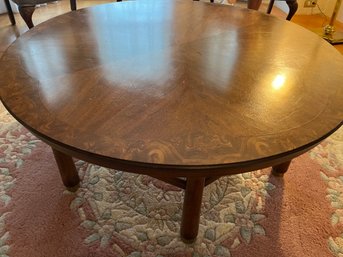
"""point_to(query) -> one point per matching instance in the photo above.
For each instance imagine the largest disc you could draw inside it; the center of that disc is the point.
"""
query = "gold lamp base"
(329, 33)
(334, 38)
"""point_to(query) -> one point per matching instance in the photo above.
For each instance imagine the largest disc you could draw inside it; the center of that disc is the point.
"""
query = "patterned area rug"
(115, 213)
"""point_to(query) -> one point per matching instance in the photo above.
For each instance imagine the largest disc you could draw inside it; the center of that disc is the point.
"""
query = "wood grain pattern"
(175, 88)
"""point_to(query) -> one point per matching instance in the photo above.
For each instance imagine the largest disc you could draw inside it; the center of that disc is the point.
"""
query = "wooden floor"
(9, 33)
(315, 22)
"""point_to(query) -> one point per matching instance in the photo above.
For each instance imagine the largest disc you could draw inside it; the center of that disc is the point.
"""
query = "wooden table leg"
(293, 7)
(67, 169)
(73, 5)
(26, 13)
(270, 6)
(280, 169)
(191, 209)
(10, 12)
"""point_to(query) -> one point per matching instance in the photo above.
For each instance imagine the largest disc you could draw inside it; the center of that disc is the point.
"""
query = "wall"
(3, 7)
(330, 6)
(326, 6)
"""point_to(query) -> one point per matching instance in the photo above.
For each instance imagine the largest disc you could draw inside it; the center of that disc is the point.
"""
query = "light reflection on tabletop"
(279, 82)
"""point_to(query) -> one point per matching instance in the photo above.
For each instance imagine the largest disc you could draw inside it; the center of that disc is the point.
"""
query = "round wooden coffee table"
(183, 91)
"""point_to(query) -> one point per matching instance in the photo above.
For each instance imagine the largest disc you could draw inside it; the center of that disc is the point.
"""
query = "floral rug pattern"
(15, 143)
(329, 155)
(147, 212)
(127, 211)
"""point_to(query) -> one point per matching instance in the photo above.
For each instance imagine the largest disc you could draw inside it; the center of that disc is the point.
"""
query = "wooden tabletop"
(178, 84)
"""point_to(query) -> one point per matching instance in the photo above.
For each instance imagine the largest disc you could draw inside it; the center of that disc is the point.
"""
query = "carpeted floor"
(120, 214)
